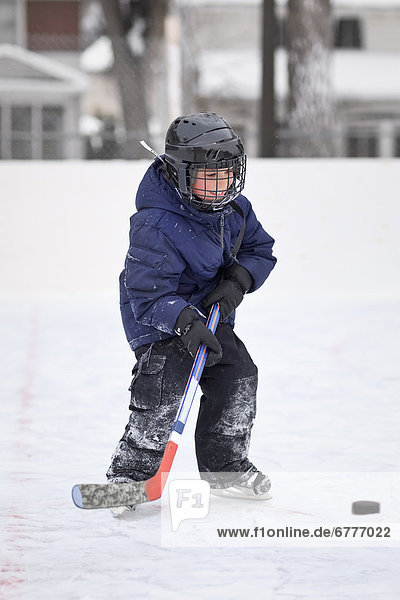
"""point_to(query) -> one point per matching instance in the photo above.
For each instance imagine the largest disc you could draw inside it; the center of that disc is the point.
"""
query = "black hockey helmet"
(205, 160)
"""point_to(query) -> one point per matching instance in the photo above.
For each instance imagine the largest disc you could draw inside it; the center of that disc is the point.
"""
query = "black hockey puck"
(365, 507)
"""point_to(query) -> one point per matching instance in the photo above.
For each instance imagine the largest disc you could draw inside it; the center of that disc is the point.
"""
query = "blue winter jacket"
(176, 256)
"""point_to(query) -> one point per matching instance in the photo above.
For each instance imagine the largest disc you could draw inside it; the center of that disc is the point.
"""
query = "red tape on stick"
(154, 486)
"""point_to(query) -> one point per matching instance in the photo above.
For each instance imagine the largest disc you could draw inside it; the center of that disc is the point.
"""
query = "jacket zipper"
(222, 230)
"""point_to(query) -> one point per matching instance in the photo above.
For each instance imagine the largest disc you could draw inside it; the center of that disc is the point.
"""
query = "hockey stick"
(107, 495)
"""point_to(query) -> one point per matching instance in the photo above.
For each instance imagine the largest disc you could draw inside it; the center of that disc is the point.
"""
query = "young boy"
(194, 240)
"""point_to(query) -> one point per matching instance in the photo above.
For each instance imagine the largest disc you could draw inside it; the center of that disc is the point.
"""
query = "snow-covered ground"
(324, 331)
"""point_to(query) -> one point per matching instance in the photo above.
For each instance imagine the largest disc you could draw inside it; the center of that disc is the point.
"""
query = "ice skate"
(252, 485)
(124, 513)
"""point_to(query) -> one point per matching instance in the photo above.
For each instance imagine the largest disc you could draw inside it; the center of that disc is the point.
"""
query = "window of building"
(280, 34)
(52, 25)
(8, 22)
(52, 126)
(32, 132)
(397, 144)
(348, 33)
(362, 143)
(21, 127)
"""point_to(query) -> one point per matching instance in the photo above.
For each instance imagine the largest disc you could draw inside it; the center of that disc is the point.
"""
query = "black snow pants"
(226, 413)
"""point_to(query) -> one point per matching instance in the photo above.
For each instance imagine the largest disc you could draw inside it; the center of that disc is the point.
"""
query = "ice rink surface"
(328, 406)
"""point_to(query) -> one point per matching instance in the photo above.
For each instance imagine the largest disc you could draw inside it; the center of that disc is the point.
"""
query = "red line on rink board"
(13, 575)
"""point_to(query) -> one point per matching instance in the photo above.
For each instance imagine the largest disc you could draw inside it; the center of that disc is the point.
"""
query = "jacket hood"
(155, 191)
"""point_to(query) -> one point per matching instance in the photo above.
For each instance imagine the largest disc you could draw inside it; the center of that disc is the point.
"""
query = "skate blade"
(233, 492)
(124, 513)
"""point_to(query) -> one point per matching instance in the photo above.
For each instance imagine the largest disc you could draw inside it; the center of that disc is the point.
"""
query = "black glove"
(193, 332)
(235, 282)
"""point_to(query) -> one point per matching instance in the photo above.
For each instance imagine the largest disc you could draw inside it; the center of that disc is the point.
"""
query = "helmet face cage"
(211, 186)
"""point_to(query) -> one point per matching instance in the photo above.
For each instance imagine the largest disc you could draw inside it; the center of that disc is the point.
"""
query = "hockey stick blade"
(108, 495)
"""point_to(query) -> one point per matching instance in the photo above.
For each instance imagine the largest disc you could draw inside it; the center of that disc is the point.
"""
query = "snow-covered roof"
(367, 75)
(355, 74)
(378, 4)
(25, 71)
(98, 57)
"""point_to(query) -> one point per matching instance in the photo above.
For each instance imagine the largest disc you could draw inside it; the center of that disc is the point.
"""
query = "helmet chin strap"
(204, 206)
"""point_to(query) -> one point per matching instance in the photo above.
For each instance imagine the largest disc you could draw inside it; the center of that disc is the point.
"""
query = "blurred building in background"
(66, 93)
(40, 90)
(365, 61)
